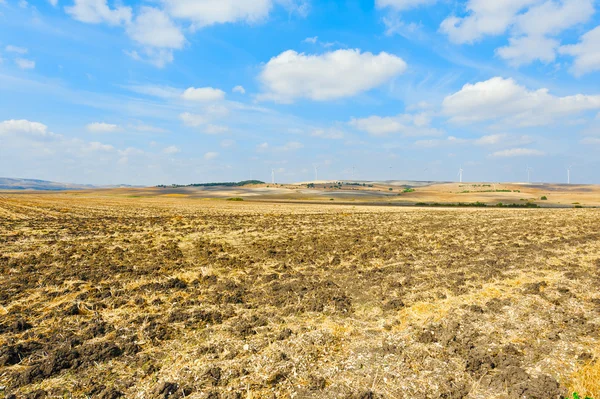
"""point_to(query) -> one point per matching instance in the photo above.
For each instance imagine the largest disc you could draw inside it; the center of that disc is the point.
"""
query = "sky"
(187, 91)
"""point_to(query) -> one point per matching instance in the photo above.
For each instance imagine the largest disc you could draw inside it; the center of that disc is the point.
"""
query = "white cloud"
(203, 94)
(312, 40)
(402, 4)
(215, 129)
(591, 140)
(130, 151)
(171, 150)
(503, 100)
(193, 120)
(491, 139)
(338, 74)
(96, 146)
(98, 11)
(526, 49)
(485, 17)
(552, 17)
(450, 140)
(586, 53)
(15, 49)
(404, 124)
(239, 89)
(396, 26)
(154, 28)
(227, 143)
(54, 3)
(24, 127)
(159, 57)
(24, 63)
(300, 7)
(262, 147)
(101, 127)
(292, 146)
(331, 133)
(532, 24)
(216, 111)
(147, 128)
(166, 92)
(533, 27)
(209, 12)
(517, 152)
(211, 155)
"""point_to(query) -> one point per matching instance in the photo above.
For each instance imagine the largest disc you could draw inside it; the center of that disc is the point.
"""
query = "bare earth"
(162, 294)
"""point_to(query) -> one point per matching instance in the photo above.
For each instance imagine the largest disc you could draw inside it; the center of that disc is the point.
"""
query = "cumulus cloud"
(526, 49)
(171, 150)
(227, 143)
(534, 26)
(96, 146)
(333, 75)
(15, 49)
(147, 128)
(591, 140)
(331, 133)
(553, 17)
(211, 113)
(404, 124)
(25, 63)
(491, 139)
(402, 4)
(159, 57)
(209, 12)
(215, 129)
(203, 94)
(450, 140)
(505, 101)
(153, 27)
(193, 120)
(239, 89)
(98, 11)
(586, 53)
(262, 147)
(166, 92)
(211, 155)
(292, 146)
(23, 127)
(101, 127)
(517, 152)
(485, 17)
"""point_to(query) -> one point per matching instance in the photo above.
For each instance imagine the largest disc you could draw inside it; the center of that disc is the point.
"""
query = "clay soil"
(106, 297)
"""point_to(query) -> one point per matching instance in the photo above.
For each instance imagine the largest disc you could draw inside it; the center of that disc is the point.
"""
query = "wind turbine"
(273, 176)
(569, 174)
(316, 172)
(529, 170)
(460, 173)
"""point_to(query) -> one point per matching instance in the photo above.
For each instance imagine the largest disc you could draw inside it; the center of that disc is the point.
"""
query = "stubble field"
(107, 297)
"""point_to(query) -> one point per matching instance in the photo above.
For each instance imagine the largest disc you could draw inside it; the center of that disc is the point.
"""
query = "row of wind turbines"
(528, 170)
(460, 173)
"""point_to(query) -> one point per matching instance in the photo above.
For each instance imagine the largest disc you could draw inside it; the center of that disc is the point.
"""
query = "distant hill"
(222, 184)
(34, 184)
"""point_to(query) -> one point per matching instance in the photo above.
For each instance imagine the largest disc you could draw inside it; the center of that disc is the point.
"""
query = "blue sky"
(183, 91)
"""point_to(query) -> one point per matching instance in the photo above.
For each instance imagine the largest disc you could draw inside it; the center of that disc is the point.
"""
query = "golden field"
(108, 294)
